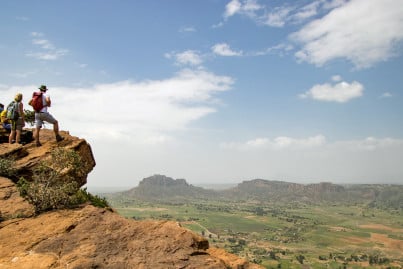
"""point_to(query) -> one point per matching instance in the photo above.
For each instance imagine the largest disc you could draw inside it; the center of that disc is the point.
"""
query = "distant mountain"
(160, 188)
(266, 190)
(163, 188)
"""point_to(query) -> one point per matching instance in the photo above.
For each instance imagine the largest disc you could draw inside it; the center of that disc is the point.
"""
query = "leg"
(56, 127)
(38, 126)
(18, 136)
(36, 136)
(56, 130)
(11, 136)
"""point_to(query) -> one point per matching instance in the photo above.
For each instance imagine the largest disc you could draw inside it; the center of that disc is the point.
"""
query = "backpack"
(36, 101)
(12, 111)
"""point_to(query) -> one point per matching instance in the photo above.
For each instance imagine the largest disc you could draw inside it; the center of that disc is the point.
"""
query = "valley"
(283, 234)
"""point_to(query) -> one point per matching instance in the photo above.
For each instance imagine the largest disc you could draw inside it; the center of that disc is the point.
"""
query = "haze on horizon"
(217, 91)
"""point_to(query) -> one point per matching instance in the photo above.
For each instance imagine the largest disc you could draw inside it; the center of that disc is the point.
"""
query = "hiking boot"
(59, 138)
(38, 144)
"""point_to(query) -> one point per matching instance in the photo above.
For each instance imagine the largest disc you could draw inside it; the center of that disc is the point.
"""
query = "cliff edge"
(88, 236)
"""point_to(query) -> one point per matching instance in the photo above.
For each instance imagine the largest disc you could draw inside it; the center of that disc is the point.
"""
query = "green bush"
(29, 117)
(84, 196)
(53, 184)
(7, 167)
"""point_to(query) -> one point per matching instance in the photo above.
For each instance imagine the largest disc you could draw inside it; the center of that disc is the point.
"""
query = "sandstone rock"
(29, 156)
(90, 237)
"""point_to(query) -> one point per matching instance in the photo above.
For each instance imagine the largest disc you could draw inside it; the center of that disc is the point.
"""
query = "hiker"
(42, 114)
(3, 117)
(19, 123)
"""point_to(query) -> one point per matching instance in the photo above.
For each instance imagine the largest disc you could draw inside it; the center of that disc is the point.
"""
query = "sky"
(217, 91)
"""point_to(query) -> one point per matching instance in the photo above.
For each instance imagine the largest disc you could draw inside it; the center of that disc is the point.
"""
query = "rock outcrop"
(90, 237)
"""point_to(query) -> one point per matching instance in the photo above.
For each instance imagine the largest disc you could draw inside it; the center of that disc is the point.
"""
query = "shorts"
(17, 124)
(43, 116)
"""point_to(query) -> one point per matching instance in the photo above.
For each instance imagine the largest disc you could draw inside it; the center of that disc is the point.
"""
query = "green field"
(289, 235)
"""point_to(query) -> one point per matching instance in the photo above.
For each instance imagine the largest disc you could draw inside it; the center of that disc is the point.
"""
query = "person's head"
(43, 88)
(18, 97)
(1, 105)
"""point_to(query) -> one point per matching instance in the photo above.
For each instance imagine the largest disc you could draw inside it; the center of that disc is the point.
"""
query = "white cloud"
(280, 50)
(278, 143)
(362, 31)
(233, 7)
(336, 78)
(51, 55)
(278, 17)
(307, 11)
(244, 7)
(224, 49)
(369, 144)
(187, 29)
(36, 34)
(44, 44)
(314, 142)
(386, 95)
(366, 160)
(48, 50)
(188, 57)
(140, 112)
(341, 92)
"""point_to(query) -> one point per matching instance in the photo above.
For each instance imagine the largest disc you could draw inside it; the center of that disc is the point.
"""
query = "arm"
(22, 111)
(48, 102)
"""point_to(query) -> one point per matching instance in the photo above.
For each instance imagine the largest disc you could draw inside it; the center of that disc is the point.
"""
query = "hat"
(43, 88)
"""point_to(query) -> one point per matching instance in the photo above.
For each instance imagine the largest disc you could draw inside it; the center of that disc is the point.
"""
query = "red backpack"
(36, 101)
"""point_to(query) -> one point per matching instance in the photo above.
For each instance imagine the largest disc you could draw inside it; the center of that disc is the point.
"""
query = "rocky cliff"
(87, 236)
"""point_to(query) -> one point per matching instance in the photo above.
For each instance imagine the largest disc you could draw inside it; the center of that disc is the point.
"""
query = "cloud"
(370, 144)
(280, 50)
(48, 50)
(336, 78)
(307, 11)
(245, 7)
(386, 95)
(233, 7)
(367, 160)
(341, 92)
(278, 17)
(318, 142)
(187, 29)
(188, 57)
(141, 112)
(223, 49)
(364, 32)
(278, 143)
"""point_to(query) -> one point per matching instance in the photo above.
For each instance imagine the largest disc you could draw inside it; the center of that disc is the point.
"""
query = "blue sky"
(217, 91)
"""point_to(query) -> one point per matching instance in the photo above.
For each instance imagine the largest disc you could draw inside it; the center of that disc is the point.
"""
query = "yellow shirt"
(3, 116)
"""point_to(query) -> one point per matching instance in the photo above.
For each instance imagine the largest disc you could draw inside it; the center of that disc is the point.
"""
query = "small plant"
(29, 116)
(54, 185)
(84, 196)
(7, 167)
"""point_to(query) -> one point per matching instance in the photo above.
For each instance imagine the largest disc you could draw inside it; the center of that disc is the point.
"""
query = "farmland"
(287, 235)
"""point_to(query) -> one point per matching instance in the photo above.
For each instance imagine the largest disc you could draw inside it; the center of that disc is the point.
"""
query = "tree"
(300, 258)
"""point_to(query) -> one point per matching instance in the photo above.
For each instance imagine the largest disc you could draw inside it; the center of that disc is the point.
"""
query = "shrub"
(7, 167)
(29, 117)
(53, 183)
(84, 196)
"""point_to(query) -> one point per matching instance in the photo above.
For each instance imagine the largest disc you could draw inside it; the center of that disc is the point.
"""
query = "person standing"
(44, 116)
(18, 124)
